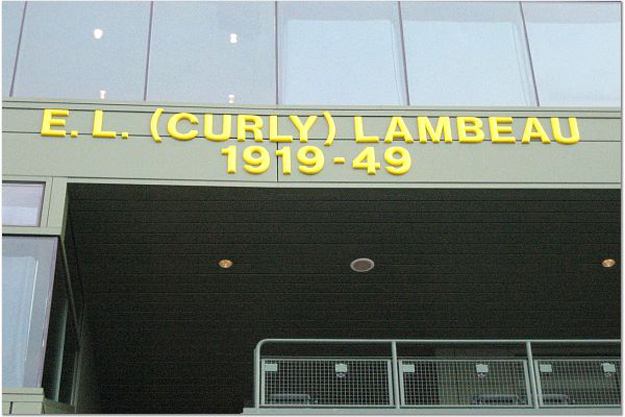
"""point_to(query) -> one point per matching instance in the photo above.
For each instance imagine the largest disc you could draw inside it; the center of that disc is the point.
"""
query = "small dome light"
(362, 265)
(102, 94)
(225, 263)
(608, 263)
(231, 98)
(98, 33)
(234, 38)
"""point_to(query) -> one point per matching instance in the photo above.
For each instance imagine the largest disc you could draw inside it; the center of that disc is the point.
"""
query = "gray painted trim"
(202, 183)
(148, 107)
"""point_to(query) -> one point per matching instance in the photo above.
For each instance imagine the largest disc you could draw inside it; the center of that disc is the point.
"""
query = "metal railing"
(455, 374)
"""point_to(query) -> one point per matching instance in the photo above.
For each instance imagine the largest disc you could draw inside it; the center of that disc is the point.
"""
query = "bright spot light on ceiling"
(98, 33)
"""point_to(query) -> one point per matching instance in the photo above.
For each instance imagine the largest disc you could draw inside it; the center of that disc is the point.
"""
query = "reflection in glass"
(193, 56)
(59, 56)
(27, 273)
(21, 204)
(340, 53)
(466, 54)
(576, 52)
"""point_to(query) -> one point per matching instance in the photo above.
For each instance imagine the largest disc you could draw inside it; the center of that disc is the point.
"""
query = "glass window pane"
(11, 22)
(61, 345)
(466, 54)
(21, 204)
(27, 274)
(85, 50)
(576, 52)
(340, 53)
(215, 52)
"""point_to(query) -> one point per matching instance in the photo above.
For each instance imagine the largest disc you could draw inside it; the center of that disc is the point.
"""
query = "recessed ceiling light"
(102, 94)
(98, 33)
(234, 38)
(362, 265)
(608, 263)
(230, 98)
(225, 263)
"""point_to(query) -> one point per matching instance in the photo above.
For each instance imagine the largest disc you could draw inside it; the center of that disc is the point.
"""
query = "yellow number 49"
(366, 160)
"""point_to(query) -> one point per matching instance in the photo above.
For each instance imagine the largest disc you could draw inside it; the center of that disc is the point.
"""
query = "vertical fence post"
(530, 360)
(395, 375)
(257, 376)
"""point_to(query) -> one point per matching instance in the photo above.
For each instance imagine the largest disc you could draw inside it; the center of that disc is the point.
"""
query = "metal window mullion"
(402, 389)
(262, 383)
(395, 374)
(391, 398)
(528, 383)
(530, 359)
(539, 389)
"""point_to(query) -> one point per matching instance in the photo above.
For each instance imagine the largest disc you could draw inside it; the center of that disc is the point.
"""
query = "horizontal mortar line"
(350, 212)
(381, 294)
(365, 221)
(110, 322)
(373, 273)
(427, 247)
(337, 200)
(331, 274)
(219, 213)
(338, 195)
(312, 303)
(357, 234)
(353, 235)
(299, 244)
(440, 286)
(269, 222)
(201, 316)
(363, 329)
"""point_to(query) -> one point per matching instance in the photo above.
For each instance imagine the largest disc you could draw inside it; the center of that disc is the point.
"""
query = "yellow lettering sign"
(172, 126)
(392, 133)
(534, 130)
(496, 129)
(557, 132)
(303, 128)
(443, 129)
(97, 132)
(226, 128)
(474, 126)
(255, 127)
(274, 136)
(360, 134)
(49, 121)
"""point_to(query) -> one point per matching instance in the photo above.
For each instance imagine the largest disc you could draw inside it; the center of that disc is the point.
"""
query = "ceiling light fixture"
(608, 263)
(362, 265)
(225, 263)
(98, 33)
(102, 94)
(234, 38)
(230, 98)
